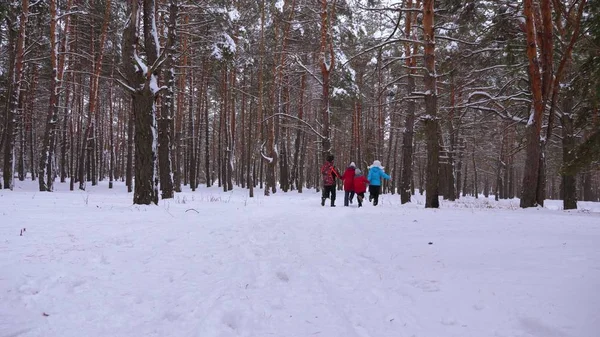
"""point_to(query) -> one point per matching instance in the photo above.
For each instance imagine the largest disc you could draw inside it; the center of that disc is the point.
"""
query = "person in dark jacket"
(376, 173)
(348, 179)
(329, 173)
(360, 186)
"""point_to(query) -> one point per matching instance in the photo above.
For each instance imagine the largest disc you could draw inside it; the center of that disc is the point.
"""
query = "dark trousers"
(359, 198)
(329, 191)
(348, 195)
(374, 193)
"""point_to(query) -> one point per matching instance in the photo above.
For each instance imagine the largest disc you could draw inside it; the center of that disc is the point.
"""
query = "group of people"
(354, 182)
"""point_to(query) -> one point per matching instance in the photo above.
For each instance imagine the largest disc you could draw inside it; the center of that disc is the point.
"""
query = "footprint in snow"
(231, 319)
(428, 286)
(282, 276)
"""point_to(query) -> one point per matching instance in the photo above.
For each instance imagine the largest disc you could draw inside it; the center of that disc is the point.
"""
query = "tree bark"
(533, 131)
(431, 122)
(165, 125)
(13, 103)
(142, 83)
(327, 63)
(130, 146)
(64, 147)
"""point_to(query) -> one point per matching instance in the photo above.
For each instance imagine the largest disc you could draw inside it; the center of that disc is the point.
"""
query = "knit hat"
(330, 158)
(376, 163)
(352, 164)
(358, 172)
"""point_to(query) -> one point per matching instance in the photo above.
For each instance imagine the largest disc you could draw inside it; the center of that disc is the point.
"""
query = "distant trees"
(456, 98)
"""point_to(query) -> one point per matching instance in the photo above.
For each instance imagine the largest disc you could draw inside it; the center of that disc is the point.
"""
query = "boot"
(332, 203)
(322, 201)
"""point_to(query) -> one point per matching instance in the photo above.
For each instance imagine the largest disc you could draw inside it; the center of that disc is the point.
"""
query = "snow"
(234, 15)
(279, 5)
(216, 53)
(153, 85)
(141, 64)
(225, 44)
(452, 46)
(339, 92)
(210, 263)
(299, 27)
(229, 43)
(531, 118)
(154, 33)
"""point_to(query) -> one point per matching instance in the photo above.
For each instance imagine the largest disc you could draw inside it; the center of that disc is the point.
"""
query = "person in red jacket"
(348, 179)
(329, 173)
(360, 186)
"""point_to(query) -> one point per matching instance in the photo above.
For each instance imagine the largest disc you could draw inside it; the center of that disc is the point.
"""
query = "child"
(360, 186)
(376, 173)
(348, 179)
(329, 173)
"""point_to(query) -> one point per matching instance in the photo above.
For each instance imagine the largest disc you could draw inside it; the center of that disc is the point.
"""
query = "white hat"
(376, 163)
(352, 164)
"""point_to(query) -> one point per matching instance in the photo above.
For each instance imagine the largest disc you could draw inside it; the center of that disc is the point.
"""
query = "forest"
(455, 97)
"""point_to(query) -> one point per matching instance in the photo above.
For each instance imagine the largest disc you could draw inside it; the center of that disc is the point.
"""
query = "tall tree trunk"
(568, 179)
(90, 129)
(45, 166)
(209, 180)
(327, 63)
(64, 147)
(451, 183)
(431, 122)
(231, 130)
(297, 141)
(143, 86)
(19, 117)
(261, 135)
(130, 146)
(165, 125)
(533, 131)
(178, 174)
(475, 182)
(13, 103)
(30, 123)
(191, 145)
(547, 72)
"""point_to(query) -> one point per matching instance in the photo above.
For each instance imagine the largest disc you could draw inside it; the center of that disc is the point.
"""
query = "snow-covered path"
(219, 264)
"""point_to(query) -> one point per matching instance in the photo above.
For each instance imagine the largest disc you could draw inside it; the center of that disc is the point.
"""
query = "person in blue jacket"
(376, 173)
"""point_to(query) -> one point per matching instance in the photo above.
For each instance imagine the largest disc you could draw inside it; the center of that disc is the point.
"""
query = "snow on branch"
(262, 154)
(383, 44)
(307, 70)
(499, 66)
(141, 64)
(125, 86)
(60, 17)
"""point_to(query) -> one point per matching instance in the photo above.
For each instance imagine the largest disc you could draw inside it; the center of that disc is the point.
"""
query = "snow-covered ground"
(219, 264)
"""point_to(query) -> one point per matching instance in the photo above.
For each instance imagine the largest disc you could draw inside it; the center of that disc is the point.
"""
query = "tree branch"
(297, 119)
